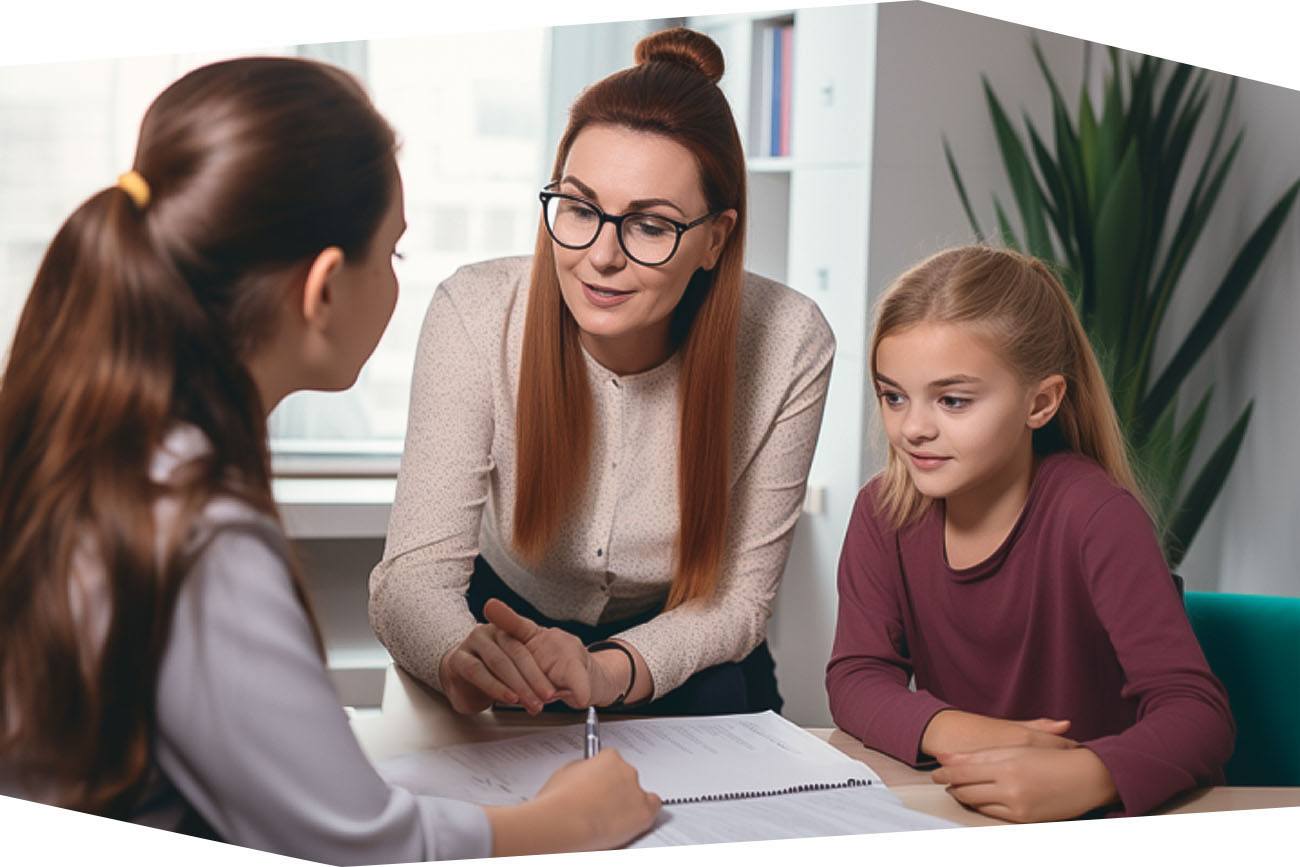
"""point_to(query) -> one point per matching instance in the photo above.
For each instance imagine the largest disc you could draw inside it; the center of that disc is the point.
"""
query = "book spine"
(787, 74)
(778, 74)
(764, 131)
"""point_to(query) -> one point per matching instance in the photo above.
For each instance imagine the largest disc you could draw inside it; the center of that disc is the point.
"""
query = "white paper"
(678, 758)
(728, 758)
(864, 810)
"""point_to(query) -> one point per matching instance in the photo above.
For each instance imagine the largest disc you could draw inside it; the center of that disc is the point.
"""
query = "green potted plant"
(1101, 206)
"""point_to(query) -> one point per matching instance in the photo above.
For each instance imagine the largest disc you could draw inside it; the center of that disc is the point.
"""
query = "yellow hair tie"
(135, 186)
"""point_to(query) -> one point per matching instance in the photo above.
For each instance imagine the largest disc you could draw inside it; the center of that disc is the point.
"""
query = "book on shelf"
(787, 74)
(775, 82)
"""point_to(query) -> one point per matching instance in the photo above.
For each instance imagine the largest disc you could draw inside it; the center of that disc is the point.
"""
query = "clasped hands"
(1017, 770)
(512, 660)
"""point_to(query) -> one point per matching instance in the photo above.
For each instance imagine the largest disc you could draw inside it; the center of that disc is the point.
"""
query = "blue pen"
(591, 745)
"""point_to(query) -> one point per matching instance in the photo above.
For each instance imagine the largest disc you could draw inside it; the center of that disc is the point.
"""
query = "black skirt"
(730, 687)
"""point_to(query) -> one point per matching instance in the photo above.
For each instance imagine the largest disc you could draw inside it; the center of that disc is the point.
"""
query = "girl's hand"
(579, 676)
(1028, 784)
(594, 803)
(493, 665)
(956, 731)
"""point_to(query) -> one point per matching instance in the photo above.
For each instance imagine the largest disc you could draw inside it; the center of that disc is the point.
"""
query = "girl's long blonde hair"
(1017, 304)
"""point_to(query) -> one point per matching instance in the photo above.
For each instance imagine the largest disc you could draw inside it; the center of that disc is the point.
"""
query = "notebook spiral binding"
(740, 796)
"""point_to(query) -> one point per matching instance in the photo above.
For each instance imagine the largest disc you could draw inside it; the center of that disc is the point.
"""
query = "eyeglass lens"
(646, 238)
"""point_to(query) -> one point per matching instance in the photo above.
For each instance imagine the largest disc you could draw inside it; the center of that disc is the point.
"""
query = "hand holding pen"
(600, 795)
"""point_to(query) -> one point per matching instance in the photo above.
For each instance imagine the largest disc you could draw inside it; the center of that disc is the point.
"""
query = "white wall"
(1251, 539)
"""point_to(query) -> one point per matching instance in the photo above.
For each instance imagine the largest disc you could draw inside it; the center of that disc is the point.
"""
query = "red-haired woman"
(609, 441)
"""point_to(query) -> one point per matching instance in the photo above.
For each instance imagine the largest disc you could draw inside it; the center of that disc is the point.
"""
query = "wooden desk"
(414, 717)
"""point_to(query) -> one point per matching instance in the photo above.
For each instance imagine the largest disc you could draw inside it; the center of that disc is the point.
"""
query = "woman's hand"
(491, 665)
(580, 678)
(956, 731)
(594, 803)
(1028, 784)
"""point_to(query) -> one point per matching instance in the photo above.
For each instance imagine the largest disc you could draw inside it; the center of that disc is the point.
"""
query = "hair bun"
(684, 47)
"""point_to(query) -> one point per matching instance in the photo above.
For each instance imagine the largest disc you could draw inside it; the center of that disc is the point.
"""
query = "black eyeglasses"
(648, 239)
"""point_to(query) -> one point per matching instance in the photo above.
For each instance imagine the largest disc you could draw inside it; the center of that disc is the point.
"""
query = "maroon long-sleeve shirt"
(1073, 617)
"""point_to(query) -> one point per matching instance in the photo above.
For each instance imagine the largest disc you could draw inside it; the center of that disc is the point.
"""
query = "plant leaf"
(1117, 246)
(1155, 459)
(1088, 147)
(1142, 80)
(1070, 158)
(1170, 161)
(1221, 305)
(1047, 72)
(1188, 435)
(1008, 234)
(1060, 208)
(1200, 496)
(1170, 135)
(1112, 137)
(1024, 186)
(1170, 99)
(1194, 214)
(1184, 241)
(961, 191)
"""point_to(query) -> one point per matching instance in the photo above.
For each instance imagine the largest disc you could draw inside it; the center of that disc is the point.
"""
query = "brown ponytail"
(141, 316)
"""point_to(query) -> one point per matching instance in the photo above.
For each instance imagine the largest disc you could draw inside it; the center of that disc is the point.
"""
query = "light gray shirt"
(613, 556)
(251, 734)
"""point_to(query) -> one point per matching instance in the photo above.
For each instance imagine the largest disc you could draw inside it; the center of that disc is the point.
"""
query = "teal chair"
(1253, 646)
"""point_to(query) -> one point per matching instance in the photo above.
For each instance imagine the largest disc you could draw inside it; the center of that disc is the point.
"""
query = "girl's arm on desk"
(1029, 783)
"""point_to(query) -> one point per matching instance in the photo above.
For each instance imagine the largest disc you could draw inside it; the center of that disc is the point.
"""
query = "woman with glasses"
(609, 440)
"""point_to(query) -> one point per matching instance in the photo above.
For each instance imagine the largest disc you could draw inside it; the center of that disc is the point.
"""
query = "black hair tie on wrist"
(631, 661)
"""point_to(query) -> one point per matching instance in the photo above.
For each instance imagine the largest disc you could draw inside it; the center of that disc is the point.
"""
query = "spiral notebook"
(683, 759)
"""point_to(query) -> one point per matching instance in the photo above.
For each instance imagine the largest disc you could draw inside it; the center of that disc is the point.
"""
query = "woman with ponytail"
(1004, 559)
(158, 660)
(609, 440)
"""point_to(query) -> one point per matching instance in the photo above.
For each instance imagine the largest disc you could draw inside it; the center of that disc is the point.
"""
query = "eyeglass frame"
(547, 194)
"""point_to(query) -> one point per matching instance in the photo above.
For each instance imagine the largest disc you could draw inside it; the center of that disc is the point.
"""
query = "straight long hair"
(141, 317)
(672, 92)
(1021, 309)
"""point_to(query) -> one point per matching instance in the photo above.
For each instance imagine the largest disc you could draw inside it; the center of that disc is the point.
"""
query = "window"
(67, 130)
(466, 108)
(468, 112)
(477, 114)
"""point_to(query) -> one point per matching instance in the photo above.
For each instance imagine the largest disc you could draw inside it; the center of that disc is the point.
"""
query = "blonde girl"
(1004, 558)
(158, 662)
